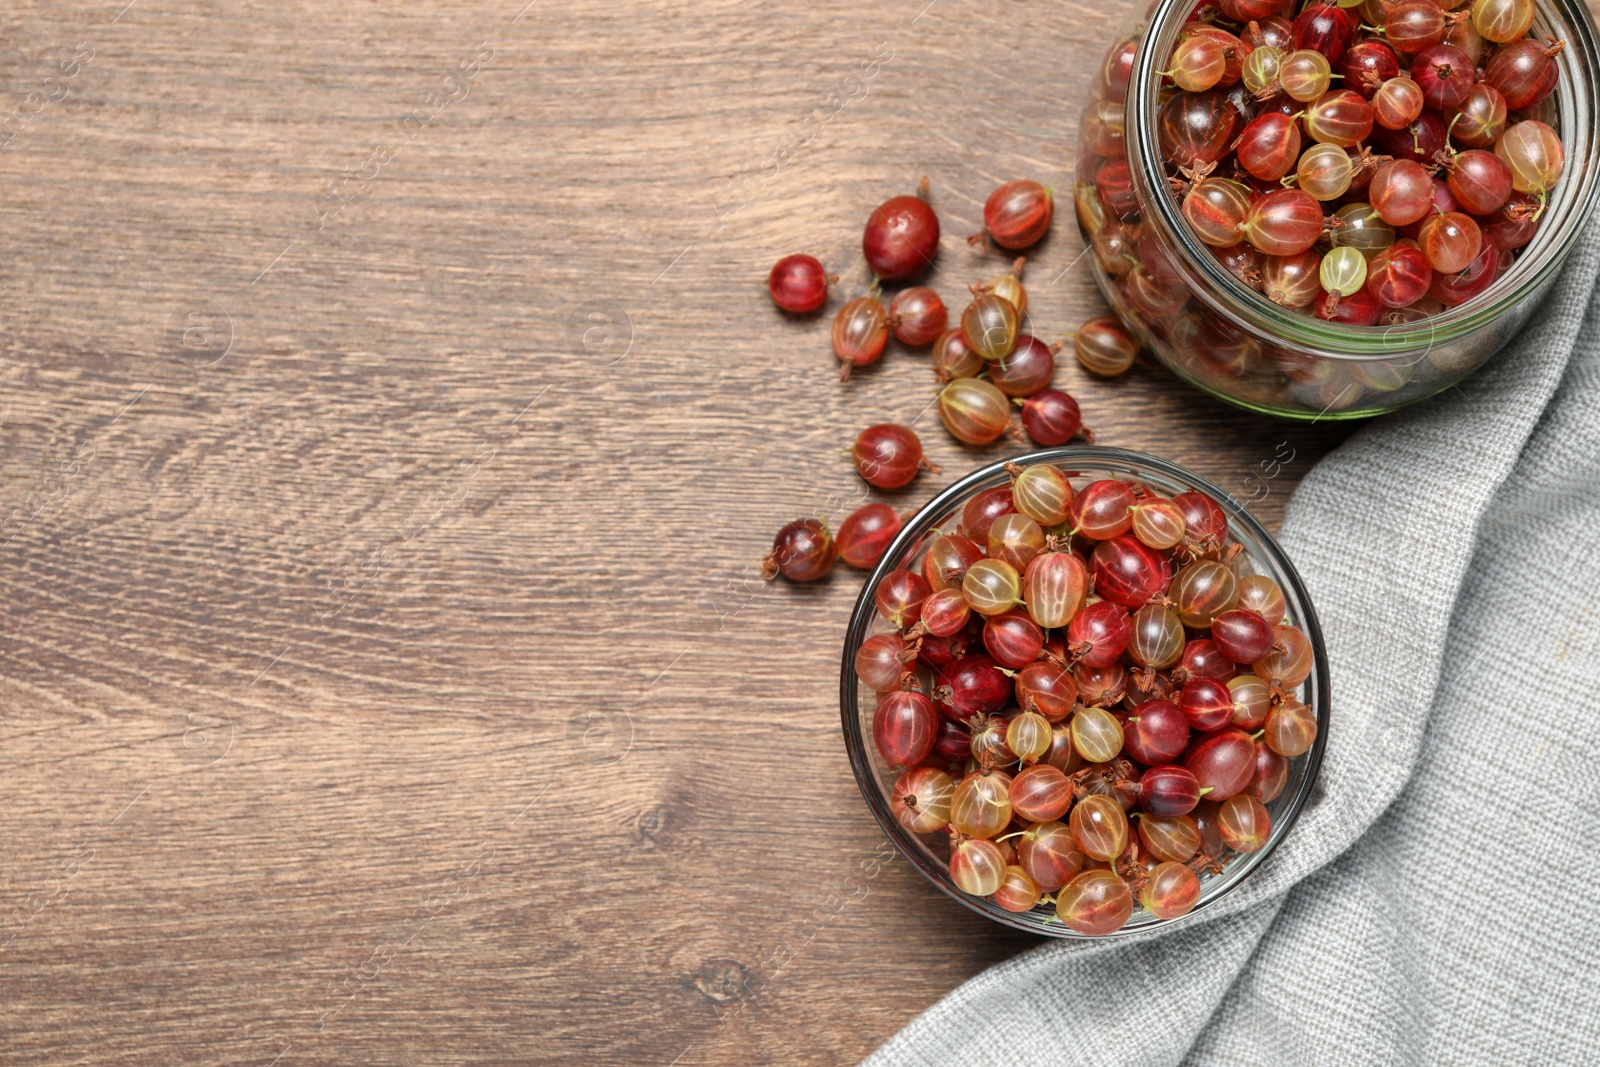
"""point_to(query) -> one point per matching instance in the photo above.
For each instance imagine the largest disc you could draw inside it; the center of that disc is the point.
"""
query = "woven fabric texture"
(1439, 900)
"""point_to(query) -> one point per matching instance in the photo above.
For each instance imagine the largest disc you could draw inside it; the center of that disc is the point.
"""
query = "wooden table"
(394, 420)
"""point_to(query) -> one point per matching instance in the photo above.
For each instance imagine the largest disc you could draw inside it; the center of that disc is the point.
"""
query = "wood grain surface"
(393, 420)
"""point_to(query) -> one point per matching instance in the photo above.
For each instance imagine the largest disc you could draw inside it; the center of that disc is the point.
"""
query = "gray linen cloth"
(1439, 899)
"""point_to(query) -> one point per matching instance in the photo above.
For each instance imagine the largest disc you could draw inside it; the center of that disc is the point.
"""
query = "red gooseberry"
(947, 559)
(1451, 241)
(945, 613)
(798, 283)
(1324, 28)
(1251, 10)
(1128, 572)
(1197, 63)
(1412, 25)
(1268, 147)
(904, 727)
(881, 661)
(1401, 192)
(920, 799)
(1040, 793)
(1233, 50)
(1114, 186)
(1358, 309)
(1168, 790)
(1514, 225)
(865, 534)
(1480, 119)
(901, 236)
(1223, 763)
(1029, 368)
(1206, 703)
(1397, 103)
(1104, 347)
(1013, 639)
(1195, 128)
(1017, 214)
(1051, 417)
(1340, 117)
(1417, 141)
(1444, 73)
(1524, 72)
(917, 316)
(1202, 659)
(1502, 21)
(1399, 275)
(889, 455)
(1216, 207)
(974, 411)
(1095, 903)
(1533, 152)
(803, 551)
(1368, 64)
(1292, 281)
(953, 359)
(1283, 223)
(977, 687)
(1047, 688)
(1119, 68)
(1101, 509)
(983, 509)
(1099, 633)
(1478, 180)
(1244, 824)
(860, 332)
(1242, 635)
(1156, 732)
(1272, 774)
(1453, 289)
(1203, 517)
(899, 597)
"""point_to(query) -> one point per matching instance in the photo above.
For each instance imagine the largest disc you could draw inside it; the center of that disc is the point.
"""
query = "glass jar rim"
(1566, 213)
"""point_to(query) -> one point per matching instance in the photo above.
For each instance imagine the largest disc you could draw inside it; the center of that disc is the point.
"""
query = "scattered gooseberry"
(1104, 347)
(1018, 214)
(901, 236)
(889, 455)
(860, 332)
(798, 283)
(917, 316)
(802, 551)
(974, 411)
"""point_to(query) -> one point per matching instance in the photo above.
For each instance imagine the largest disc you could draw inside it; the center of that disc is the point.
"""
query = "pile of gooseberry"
(984, 363)
(1091, 693)
(984, 360)
(1368, 163)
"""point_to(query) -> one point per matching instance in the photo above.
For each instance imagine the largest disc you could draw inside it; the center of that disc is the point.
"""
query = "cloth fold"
(1439, 899)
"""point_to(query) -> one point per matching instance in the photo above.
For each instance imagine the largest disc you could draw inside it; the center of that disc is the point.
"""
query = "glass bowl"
(1218, 334)
(929, 853)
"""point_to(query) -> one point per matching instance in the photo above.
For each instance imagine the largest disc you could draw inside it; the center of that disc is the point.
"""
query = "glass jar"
(1217, 333)
(1259, 554)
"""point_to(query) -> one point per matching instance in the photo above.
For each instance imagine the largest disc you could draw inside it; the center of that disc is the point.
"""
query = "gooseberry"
(1017, 214)
(860, 332)
(889, 455)
(901, 236)
(798, 283)
(917, 316)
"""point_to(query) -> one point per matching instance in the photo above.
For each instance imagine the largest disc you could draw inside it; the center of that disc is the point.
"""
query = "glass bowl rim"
(1118, 461)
